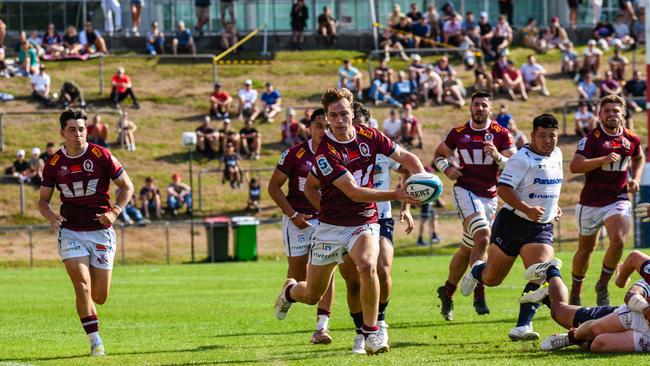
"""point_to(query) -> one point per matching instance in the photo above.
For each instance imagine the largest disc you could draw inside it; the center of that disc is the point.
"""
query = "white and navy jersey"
(644, 286)
(381, 178)
(537, 180)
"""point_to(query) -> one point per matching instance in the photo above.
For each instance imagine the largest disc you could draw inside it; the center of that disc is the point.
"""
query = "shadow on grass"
(273, 146)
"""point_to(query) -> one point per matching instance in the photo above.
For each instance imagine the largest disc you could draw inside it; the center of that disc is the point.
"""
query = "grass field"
(222, 314)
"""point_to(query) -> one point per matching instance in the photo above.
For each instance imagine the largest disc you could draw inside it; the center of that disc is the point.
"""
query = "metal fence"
(250, 14)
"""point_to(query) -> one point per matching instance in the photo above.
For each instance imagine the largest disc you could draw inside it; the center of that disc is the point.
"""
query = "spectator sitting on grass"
(483, 79)
(49, 151)
(71, 95)
(403, 89)
(514, 82)
(126, 131)
(591, 57)
(570, 61)
(304, 133)
(131, 214)
(587, 89)
(350, 78)
(71, 43)
(97, 131)
(122, 88)
(503, 118)
(179, 194)
(383, 69)
(389, 42)
(557, 34)
(155, 40)
(229, 36)
(585, 120)
(183, 41)
(609, 86)
(220, 102)
(91, 41)
(533, 75)
(27, 60)
(251, 140)
(232, 171)
(20, 167)
(635, 91)
(421, 33)
(530, 33)
(622, 32)
(254, 195)
(207, 138)
(272, 102)
(431, 85)
(227, 136)
(416, 69)
(247, 101)
(41, 86)
(52, 42)
(36, 42)
(452, 92)
(327, 26)
(291, 129)
(392, 127)
(150, 199)
(36, 166)
(412, 129)
(617, 64)
(501, 36)
(380, 91)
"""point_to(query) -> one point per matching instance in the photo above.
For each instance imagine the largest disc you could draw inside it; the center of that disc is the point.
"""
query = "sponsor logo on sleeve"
(283, 156)
(324, 166)
(96, 151)
(582, 143)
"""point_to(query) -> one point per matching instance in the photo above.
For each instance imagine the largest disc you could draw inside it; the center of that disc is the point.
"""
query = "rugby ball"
(425, 187)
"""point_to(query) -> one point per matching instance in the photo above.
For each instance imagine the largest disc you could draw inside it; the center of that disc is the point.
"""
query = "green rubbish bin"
(217, 229)
(245, 228)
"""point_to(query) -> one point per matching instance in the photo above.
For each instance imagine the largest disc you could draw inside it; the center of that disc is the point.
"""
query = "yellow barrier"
(235, 46)
(267, 62)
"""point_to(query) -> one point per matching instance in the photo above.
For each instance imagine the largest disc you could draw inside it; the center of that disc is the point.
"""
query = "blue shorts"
(426, 211)
(511, 232)
(386, 227)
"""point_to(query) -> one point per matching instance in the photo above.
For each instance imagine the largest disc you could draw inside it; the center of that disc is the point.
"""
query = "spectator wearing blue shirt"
(421, 32)
(403, 89)
(504, 119)
(272, 102)
(468, 23)
(380, 90)
(350, 77)
(587, 89)
(155, 40)
(183, 40)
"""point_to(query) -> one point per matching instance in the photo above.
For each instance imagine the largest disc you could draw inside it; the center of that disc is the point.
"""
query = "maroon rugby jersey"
(83, 182)
(608, 183)
(357, 156)
(480, 171)
(295, 163)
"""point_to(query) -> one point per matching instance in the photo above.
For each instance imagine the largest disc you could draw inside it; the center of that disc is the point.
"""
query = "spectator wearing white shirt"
(591, 57)
(350, 77)
(533, 74)
(393, 126)
(585, 120)
(247, 98)
(41, 85)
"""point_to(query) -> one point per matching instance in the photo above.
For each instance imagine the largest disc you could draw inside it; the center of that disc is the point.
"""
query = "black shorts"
(511, 232)
(426, 211)
(386, 227)
(573, 4)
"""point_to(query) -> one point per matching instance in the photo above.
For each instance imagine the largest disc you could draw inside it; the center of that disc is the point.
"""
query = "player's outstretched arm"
(349, 187)
(45, 209)
(632, 262)
(407, 160)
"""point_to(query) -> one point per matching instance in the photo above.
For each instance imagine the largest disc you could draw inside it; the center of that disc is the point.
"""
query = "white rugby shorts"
(297, 241)
(99, 245)
(590, 218)
(331, 242)
(632, 320)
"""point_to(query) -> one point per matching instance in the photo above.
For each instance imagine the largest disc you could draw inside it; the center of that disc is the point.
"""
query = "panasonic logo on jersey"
(547, 181)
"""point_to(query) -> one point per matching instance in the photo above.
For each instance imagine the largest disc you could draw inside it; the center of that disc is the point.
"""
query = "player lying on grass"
(624, 330)
(342, 176)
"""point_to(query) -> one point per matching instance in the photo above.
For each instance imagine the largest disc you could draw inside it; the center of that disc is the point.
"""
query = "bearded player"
(299, 219)
(605, 156)
(82, 172)
(343, 170)
(483, 148)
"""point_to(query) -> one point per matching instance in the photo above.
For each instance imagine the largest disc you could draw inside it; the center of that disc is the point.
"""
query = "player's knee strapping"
(477, 224)
(467, 240)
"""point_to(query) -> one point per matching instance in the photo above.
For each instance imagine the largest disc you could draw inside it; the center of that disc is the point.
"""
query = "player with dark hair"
(530, 186)
(299, 219)
(605, 156)
(623, 330)
(483, 148)
(82, 172)
(343, 167)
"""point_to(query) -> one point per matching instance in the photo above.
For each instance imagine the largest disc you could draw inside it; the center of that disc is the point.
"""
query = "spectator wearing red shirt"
(291, 129)
(122, 88)
(220, 103)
